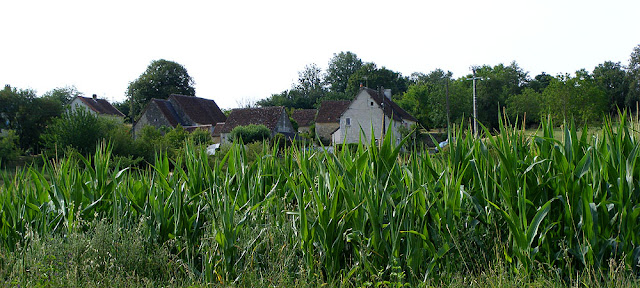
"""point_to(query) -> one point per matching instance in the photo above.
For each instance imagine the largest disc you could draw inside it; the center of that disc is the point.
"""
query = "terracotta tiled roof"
(304, 117)
(330, 111)
(267, 116)
(100, 106)
(199, 110)
(391, 109)
(169, 113)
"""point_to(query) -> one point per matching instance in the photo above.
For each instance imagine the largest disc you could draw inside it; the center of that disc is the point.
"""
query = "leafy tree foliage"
(250, 133)
(540, 82)
(634, 78)
(426, 99)
(612, 78)
(525, 106)
(341, 67)
(26, 114)
(575, 97)
(64, 95)
(125, 108)
(161, 79)
(78, 129)
(499, 83)
(304, 94)
(8, 146)
(371, 76)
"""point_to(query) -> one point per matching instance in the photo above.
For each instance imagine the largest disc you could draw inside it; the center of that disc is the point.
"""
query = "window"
(347, 121)
(371, 103)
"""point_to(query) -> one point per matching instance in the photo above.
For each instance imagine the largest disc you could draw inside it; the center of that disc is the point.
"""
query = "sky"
(243, 51)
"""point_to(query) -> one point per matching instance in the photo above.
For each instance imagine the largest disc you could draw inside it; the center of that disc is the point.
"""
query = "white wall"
(364, 113)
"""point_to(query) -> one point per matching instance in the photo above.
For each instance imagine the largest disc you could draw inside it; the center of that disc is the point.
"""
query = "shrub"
(250, 133)
(9, 146)
(78, 129)
(201, 137)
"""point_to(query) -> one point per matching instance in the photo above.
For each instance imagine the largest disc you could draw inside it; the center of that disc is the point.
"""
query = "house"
(97, 106)
(371, 112)
(215, 136)
(187, 111)
(274, 118)
(305, 118)
(328, 118)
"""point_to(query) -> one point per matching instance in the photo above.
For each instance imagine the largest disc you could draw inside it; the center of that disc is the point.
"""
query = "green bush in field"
(250, 133)
(78, 129)
(9, 149)
(201, 137)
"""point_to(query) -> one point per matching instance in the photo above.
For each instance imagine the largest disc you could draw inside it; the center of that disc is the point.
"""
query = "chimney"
(95, 96)
(387, 93)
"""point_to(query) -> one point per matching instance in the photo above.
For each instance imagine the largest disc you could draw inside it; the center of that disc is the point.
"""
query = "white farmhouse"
(371, 112)
(97, 106)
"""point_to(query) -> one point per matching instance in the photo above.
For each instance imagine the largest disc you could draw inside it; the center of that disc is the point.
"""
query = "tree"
(8, 146)
(26, 114)
(78, 129)
(64, 95)
(540, 82)
(125, 108)
(304, 94)
(341, 67)
(161, 79)
(369, 75)
(575, 97)
(426, 98)
(612, 78)
(500, 82)
(634, 78)
(526, 105)
(310, 86)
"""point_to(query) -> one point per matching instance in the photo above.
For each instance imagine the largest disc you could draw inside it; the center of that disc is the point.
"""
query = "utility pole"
(381, 93)
(448, 120)
(475, 112)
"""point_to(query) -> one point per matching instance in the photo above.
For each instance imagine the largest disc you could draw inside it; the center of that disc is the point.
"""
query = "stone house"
(188, 111)
(274, 118)
(305, 118)
(371, 112)
(328, 118)
(215, 136)
(98, 107)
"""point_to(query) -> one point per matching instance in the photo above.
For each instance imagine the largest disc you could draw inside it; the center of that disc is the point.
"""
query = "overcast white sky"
(237, 50)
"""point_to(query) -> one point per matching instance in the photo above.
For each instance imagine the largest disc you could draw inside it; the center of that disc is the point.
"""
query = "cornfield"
(371, 214)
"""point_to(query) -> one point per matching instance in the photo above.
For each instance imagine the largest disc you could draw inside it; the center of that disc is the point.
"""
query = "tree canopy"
(161, 79)
(341, 67)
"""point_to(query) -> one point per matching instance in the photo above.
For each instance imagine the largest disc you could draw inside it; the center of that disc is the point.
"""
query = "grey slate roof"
(267, 116)
(304, 117)
(330, 111)
(391, 109)
(100, 106)
(168, 111)
(200, 110)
